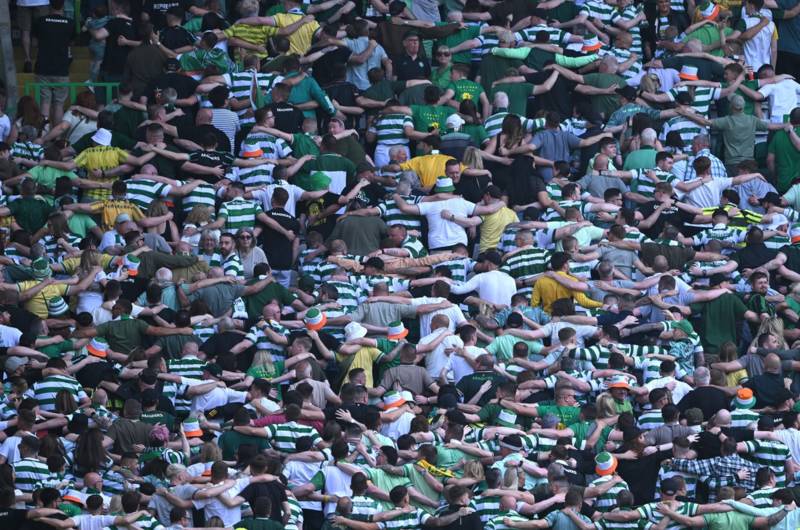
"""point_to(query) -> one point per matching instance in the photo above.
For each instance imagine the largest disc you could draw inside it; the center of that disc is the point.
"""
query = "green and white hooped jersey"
(390, 129)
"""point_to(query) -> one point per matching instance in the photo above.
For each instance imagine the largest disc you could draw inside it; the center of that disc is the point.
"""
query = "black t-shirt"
(287, 118)
(21, 318)
(195, 133)
(91, 375)
(184, 85)
(323, 226)
(406, 68)
(131, 390)
(468, 522)
(116, 55)
(36, 525)
(176, 37)
(672, 215)
(13, 518)
(157, 9)
(754, 256)
(357, 410)
(641, 475)
(324, 66)
(345, 94)
(274, 490)
(472, 188)
(559, 98)
(211, 159)
(706, 70)
(277, 248)
(220, 344)
(54, 33)
(706, 398)
(471, 384)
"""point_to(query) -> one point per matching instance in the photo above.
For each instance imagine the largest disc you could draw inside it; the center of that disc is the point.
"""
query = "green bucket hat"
(41, 268)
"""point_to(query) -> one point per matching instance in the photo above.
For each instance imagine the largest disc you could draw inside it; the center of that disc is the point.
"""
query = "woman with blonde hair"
(168, 230)
(193, 226)
(209, 453)
(92, 298)
(249, 254)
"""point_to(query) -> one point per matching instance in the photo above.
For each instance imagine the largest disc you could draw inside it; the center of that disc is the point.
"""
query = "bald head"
(722, 418)
(204, 117)
(772, 364)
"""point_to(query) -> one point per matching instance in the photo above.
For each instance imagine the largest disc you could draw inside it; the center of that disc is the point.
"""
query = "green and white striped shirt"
(390, 129)
(262, 342)
(232, 265)
(27, 151)
(652, 516)
(28, 472)
(272, 146)
(142, 192)
(45, 391)
(652, 419)
(392, 215)
(349, 295)
(525, 264)
(202, 195)
(634, 71)
(608, 500)
(743, 418)
(703, 96)
(414, 247)
(557, 36)
(598, 9)
(487, 507)
(770, 453)
(685, 127)
(255, 176)
(283, 436)
(762, 498)
(494, 123)
(406, 521)
(626, 15)
(239, 213)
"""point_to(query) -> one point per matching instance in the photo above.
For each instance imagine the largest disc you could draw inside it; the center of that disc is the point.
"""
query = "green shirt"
(123, 335)
(30, 213)
(427, 117)
(739, 133)
(728, 521)
(46, 176)
(605, 104)
(517, 96)
(567, 415)
(477, 132)
(787, 159)
(644, 158)
(454, 39)
(230, 441)
(708, 34)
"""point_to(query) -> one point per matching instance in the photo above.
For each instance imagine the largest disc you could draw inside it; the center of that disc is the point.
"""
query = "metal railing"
(73, 89)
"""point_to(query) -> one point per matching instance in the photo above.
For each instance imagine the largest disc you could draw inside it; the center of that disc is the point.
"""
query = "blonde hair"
(89, 258)
(157, 208)
(605, 406)
(473, 469)
(209, 452)
(473, 158)
(263, 360)
(199, 215)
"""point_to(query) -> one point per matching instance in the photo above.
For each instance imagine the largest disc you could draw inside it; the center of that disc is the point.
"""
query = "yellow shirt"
(493, 225)
(110, 209)
(38, 304)
(427, 167)
(257, 35)
(101, 157)
(363, 358)
(71, 264)
(300, 40)
(547, 290)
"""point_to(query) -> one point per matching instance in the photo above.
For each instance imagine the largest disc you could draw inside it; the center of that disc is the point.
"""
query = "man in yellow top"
(429, 166)
(547, 290)
(36, 293)
(299, 27)
(103, 162)
(118, 205)
(253, 37)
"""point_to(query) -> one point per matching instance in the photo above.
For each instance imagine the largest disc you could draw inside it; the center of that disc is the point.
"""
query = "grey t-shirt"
(219, 297)
(554, 145)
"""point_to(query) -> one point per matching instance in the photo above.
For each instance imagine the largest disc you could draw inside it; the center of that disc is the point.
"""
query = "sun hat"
(605, 464)
(41, 268)
(74, 496)
(392, 400)
(131, 264)
(315, 319)
(13, 363)
(353, 331)
(102, 137)
(744, 399)
(191, 428)
(688, 73)
(251, 151)
(454, 121)
(506, 418)
(591, 43)
(619, 381)
(397, 330)
(444, 184)
(56, 306)
(709, 10)
(98, 347)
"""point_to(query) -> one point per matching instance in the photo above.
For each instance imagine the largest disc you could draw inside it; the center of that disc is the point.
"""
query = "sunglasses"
(246, 237)
(446, 54)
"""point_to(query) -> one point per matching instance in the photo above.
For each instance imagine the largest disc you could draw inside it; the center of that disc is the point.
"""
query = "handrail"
(73, 89)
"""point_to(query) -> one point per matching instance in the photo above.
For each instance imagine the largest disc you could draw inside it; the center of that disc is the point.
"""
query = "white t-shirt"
(453, 313)
(9, 336)
(265, 196)
(709, 194)
(791, 437)
(5, 121)
(439, 359)
(461, 368)
(298, 473)
(93, 522)
(680, 390)
(216, 397)
(782, 98)
(496, 287)
(757, 51)
(443, 232)
(582, 332)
